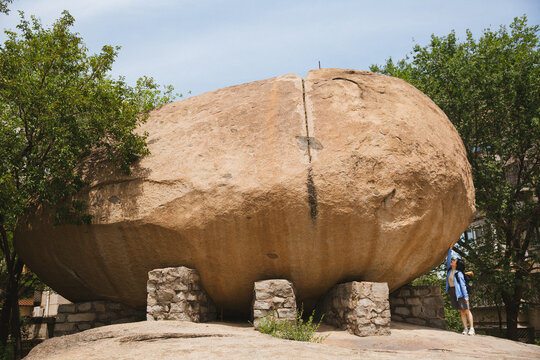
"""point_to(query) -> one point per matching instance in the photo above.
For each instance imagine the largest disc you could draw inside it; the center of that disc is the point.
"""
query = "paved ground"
(166, 340)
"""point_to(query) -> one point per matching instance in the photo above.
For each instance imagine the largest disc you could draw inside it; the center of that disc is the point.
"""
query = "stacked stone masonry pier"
(361, 308)
(275, 298)
(176, 293)
(73, 318)
(420, 305)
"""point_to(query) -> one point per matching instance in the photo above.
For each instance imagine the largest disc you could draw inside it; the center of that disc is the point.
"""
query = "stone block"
(285, 313)
(413, 301)
(396, 301)
(66, 308)
(354, 306)
(99, 306)
(65, 327)
(434, 300)
(404, 292)
(165, 295)
(401, 310)
(83, 326)
(416, 311)
(113, 306)
(154, 275)
(416, 321)
(177, 295)
(275, 296)
(260, 313)
(81, 317)
(380, 290)
(84, 307)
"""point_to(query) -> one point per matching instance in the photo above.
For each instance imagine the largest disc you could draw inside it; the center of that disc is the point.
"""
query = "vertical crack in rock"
(311, 190)
(306, 123)
(312, 195)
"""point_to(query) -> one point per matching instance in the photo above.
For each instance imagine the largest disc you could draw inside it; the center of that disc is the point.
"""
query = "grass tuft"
(297, 329)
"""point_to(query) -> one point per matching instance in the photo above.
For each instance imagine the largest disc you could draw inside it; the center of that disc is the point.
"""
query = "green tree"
(489, 88)
(57, 105)
(4, 6)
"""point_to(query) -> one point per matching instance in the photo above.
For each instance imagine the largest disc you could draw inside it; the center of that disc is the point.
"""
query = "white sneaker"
(471, 332)
(465, 331)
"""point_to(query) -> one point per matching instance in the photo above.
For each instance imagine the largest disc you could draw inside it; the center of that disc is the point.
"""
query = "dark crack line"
(311, 189)
(306, 121)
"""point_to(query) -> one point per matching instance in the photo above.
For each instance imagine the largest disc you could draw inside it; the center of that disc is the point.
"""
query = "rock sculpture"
(344, 175)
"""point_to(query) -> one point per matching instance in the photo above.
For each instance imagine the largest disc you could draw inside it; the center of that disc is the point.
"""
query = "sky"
(203, 45)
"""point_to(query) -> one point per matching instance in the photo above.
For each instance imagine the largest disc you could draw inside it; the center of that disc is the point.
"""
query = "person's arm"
(462, 284)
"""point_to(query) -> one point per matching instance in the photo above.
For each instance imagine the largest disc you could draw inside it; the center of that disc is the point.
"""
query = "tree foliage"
(4, 6)
(57, 105)
(490, 90)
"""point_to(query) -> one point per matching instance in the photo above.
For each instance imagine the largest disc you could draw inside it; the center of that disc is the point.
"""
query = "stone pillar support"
(362, 308)
(176, 293)
(274, 298)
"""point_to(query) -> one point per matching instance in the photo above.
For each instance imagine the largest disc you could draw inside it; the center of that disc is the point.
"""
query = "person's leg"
(470, 317)
(463, 320)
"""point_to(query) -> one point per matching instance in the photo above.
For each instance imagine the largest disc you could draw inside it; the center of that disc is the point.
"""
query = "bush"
(296, 329)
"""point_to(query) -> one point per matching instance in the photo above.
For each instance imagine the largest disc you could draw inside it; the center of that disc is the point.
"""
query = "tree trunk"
(9, 317)
(512, 312)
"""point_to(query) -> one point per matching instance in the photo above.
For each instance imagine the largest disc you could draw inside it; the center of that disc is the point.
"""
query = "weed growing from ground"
(297, 329)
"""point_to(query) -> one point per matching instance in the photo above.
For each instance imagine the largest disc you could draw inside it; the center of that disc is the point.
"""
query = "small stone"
(165, 295)
(261, 305)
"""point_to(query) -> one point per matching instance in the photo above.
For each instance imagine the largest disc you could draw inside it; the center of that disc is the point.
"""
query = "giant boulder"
(346, 175)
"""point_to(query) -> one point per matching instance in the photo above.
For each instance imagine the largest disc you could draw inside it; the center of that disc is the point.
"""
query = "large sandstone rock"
(346, 175)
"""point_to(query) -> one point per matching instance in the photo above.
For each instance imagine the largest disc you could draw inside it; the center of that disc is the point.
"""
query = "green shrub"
(297, 329)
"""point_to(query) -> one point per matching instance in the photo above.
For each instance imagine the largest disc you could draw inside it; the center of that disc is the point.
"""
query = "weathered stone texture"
(275, 298)
(419, 305)
(314, 180)
(73, 318)
(176, 293)
(361, 308)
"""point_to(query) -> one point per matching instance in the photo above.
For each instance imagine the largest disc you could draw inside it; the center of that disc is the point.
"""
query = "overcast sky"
(202, 45)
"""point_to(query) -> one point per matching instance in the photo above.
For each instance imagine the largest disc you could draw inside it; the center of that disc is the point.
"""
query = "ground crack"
(155, 337)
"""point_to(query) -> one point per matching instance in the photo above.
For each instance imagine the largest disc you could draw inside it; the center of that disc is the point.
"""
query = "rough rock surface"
(361, 308)
(346, 175)
(168, 340)
(274, 298)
